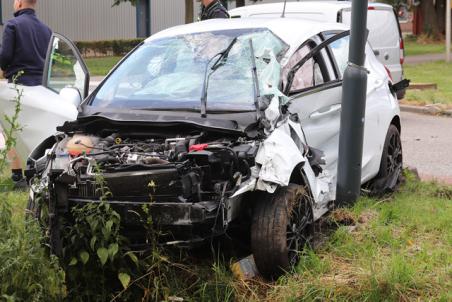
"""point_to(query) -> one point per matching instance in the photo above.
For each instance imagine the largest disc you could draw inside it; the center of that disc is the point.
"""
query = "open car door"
(43, 108)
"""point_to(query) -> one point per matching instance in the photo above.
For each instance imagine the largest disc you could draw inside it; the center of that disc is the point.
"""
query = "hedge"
(107, 48)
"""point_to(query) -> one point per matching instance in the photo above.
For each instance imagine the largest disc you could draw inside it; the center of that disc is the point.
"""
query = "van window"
(382, 25)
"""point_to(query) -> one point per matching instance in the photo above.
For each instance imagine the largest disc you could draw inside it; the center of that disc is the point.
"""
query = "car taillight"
(402, 52)
(389, 73)
(371, 8)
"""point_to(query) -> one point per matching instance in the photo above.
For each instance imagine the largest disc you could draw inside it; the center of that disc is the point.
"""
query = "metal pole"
(353, 109)
(448, 30)
(143, 18)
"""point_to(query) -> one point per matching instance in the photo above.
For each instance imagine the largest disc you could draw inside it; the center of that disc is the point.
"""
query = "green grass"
(432, 72)
(399, 251)
(102, 65)
(414, 48)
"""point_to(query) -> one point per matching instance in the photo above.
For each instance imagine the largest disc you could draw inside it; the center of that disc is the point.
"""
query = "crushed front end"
(185, 182)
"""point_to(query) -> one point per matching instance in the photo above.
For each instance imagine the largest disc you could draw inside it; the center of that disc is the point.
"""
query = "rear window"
(382, 25)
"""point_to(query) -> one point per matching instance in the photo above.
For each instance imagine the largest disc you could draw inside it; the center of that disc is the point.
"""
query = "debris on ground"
(245, 269)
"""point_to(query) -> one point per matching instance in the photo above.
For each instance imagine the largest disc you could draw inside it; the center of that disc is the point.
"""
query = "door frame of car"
(78, 56)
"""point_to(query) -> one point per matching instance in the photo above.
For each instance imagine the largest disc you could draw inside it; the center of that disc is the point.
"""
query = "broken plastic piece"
(245, 269)
(199, 147)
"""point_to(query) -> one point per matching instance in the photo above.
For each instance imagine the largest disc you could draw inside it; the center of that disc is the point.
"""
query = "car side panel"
(42, 110)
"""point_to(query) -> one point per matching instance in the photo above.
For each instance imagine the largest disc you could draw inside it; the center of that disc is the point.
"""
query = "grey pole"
(353, 109)
(143, 18)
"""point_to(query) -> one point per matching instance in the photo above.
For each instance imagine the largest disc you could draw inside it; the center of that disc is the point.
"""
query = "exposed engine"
(189, 169)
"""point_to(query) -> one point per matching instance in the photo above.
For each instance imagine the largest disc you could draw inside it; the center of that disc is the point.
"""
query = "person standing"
(24, 45)
(23, 50)
(213, 9)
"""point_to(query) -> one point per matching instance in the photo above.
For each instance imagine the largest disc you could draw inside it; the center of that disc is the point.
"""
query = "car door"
(49, 105)
(316, 95)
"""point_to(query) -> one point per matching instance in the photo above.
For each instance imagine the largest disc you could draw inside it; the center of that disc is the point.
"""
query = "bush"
(107, 48)
(27, 273)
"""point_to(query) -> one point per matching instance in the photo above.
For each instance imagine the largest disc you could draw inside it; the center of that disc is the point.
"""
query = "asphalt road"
(427, 145)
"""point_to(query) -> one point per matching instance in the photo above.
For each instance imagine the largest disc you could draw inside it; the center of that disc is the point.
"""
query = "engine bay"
(180, 169)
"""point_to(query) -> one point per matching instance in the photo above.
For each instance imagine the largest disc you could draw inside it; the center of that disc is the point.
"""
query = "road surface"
(427, 145)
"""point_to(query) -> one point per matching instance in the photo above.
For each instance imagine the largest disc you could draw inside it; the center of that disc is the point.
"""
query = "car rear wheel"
(391, 167)
(281, 228)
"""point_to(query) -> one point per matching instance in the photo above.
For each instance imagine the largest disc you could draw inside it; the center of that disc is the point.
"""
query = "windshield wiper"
(223, 56)
(257, 93)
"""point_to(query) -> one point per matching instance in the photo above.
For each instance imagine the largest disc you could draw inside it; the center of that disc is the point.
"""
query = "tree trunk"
(239, 3)
(189, 8)
(433, 13)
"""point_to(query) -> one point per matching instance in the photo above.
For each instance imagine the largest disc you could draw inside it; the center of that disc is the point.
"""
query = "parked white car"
(218, 127)
(385, 35)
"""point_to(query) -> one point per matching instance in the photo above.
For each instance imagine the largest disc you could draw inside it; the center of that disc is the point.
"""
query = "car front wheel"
(281, 228)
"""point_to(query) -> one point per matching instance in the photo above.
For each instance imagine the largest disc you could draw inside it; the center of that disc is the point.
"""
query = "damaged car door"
(44, 107)
(314, 84)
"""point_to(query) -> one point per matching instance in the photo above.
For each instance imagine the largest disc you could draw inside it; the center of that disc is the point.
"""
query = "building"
(91, 20)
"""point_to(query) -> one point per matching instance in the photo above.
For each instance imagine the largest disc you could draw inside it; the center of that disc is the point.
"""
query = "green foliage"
(27, 273)
(107, 48)
(117, 2)
(12, 124)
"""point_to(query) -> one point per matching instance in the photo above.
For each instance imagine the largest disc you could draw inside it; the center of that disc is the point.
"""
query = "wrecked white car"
(219, 126)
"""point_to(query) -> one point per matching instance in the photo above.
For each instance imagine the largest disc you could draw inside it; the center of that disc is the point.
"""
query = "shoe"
(21, 185)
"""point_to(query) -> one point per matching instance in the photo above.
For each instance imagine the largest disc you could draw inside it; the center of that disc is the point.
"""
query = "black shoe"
(21, 185)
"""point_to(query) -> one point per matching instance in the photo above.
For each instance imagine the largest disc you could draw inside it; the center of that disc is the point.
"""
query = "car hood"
(93, 120)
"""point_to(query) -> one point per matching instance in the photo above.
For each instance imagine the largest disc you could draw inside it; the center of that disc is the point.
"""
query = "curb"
(429, 110)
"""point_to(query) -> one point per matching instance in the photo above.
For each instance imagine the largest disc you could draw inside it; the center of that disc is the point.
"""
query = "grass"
(399, 250)
(432, 72)
(414, 48)
(102, 65)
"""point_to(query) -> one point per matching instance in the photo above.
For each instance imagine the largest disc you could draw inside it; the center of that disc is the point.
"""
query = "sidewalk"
(419, 59)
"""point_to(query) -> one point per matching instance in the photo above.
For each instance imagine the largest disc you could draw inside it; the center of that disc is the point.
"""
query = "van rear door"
(384, 37)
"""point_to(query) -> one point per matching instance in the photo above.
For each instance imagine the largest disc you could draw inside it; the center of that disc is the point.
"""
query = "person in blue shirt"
(23, 50)
(24, 45)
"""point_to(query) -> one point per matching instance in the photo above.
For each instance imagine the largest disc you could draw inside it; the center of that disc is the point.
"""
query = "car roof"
(291, 30)
(326, 7)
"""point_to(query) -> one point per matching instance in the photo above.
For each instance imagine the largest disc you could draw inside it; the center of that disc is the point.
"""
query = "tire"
(275, 218)
(391, 166)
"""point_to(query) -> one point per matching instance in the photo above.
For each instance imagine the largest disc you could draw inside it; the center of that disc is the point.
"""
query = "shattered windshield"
(169, 73)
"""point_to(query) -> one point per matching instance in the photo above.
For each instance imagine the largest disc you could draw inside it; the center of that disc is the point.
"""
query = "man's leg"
(16, 166)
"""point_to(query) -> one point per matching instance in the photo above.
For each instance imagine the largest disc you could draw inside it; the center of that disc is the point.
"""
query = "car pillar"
(353, 110)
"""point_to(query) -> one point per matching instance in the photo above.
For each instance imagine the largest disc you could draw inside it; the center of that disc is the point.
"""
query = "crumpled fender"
(278, 156)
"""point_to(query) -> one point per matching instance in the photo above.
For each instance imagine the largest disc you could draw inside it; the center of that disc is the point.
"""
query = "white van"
(385, 35)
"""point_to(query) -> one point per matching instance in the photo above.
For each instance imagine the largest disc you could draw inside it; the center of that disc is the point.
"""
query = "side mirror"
(72, 95)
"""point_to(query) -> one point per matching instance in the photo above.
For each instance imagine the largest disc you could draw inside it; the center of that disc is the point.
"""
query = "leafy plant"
(12, 123)
(26, 271)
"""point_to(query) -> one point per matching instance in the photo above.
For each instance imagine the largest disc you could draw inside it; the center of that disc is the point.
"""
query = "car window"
(309, 75)
(340, 49)
(382, 25)
(65, 69)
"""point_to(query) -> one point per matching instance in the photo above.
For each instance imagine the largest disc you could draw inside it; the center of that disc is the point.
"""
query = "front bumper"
(177, 223)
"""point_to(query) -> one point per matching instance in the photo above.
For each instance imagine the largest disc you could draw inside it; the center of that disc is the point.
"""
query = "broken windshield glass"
(169, 72)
